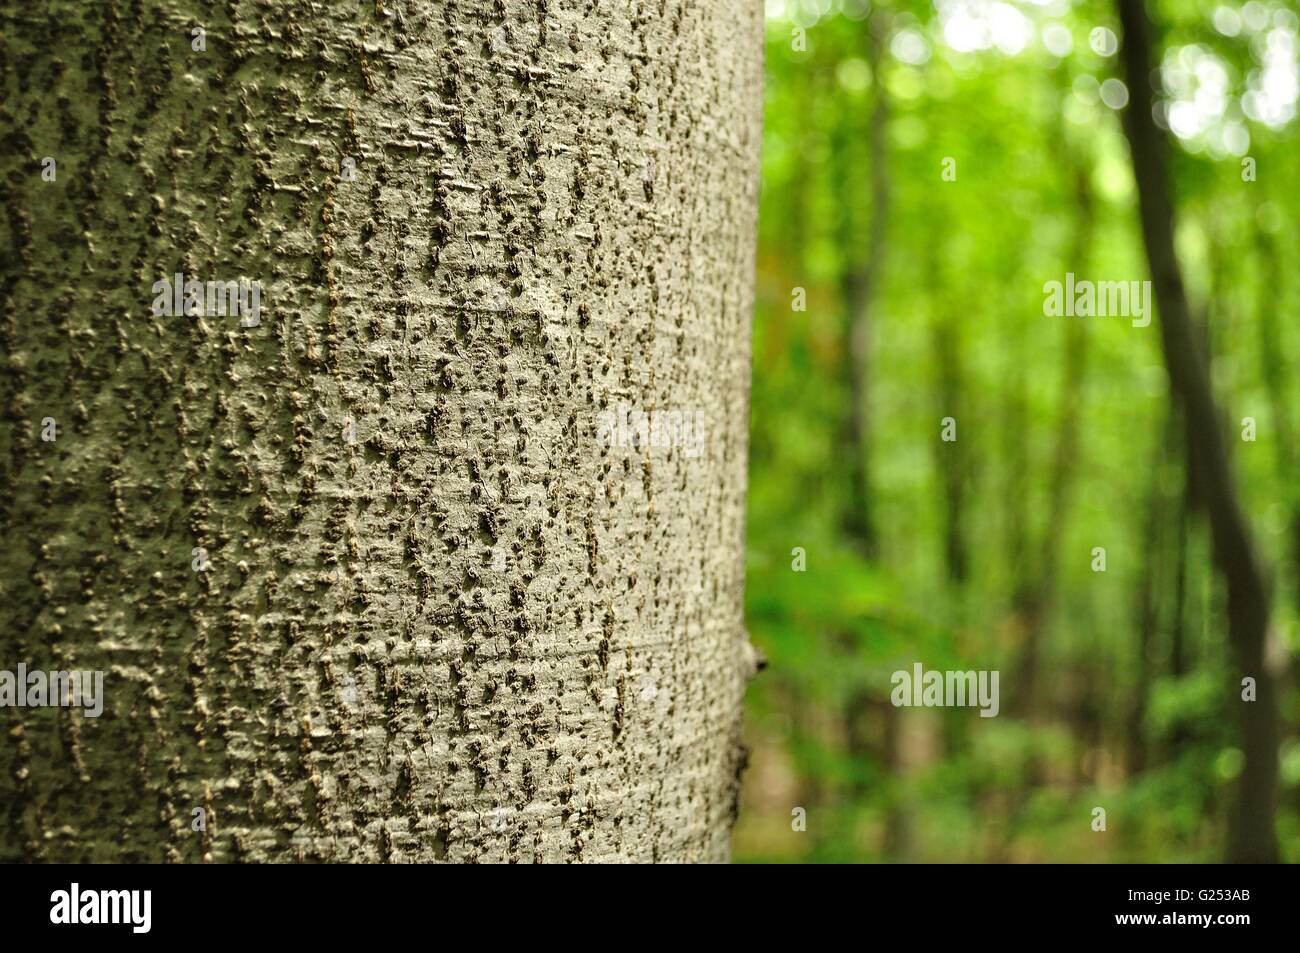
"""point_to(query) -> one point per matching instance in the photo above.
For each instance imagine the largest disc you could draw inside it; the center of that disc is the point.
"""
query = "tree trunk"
(1273, 372)
(859, 281)
(1251, 833)
(1146, 602)
(1036, 589)
(951, 460)
(445, 609)
(859, 276)
(1179, 663)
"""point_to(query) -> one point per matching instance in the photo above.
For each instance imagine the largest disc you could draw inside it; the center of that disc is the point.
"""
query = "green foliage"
(1043, 187)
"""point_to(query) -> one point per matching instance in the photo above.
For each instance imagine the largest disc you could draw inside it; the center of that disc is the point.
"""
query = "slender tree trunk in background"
(951, 460)
(859, 290)
(1251, 834)
(806, 733)
(1013, 457)
(441, 617)
(1146, 614)
(1179, 660)
(1025, 578)
(1275, 384)
(858, 286)
(896, 845)
(1096, 716)
(1034, 598)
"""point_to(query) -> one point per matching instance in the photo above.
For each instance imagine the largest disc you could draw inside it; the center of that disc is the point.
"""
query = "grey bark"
(479, 630)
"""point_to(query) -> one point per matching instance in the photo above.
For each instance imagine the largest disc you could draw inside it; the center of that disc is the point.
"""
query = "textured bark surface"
(475, 632)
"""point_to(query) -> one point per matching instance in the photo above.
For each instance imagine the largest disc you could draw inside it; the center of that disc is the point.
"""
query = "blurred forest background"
(924, 300)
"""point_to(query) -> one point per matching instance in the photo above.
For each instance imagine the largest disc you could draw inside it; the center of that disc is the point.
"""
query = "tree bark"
(442, 616)
(1251, 833)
